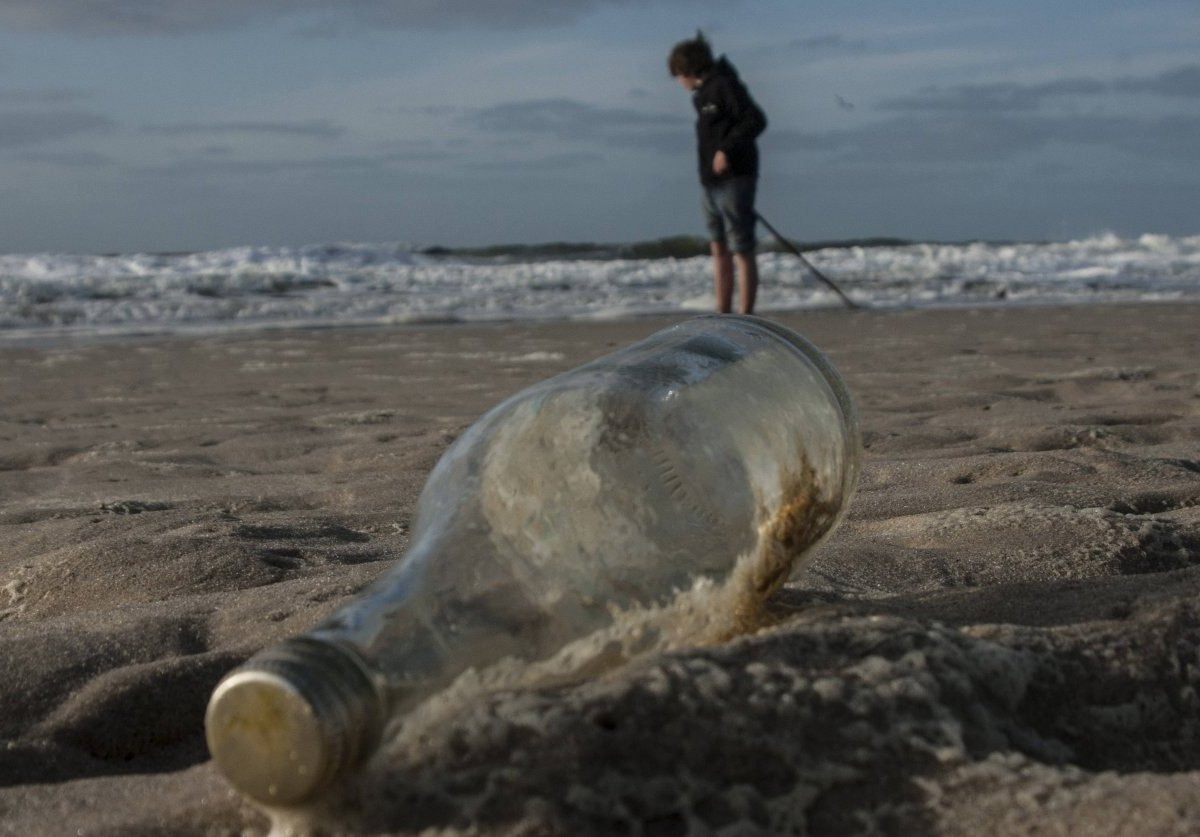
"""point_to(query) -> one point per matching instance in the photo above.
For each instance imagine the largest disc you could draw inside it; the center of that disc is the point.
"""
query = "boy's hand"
(720, 163)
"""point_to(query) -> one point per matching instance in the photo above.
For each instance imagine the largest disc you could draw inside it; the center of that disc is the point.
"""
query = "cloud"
(924, 140)
(786, 140)
(316, 128)
(982, 122)
(1183, 82)
(207, 166)
(31, 128)
(947, 138)
(826, 44)
(1172, 137)
(42, 96)
(217, 162)
(68, 159)
(1007, 96)
(547, 163)
(158, 17)
(574, 121)
(1001, 96)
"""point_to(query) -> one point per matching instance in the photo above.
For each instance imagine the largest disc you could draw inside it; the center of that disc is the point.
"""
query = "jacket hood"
(724, 68)
(721, 67)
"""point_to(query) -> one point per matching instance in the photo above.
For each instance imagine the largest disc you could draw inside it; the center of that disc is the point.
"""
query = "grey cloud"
(573, 121)
(141, 17)
(785, 140)
(216, 163)
(493, 13)
(316, 128)
(31, 128)
(1004, 96)
(945, 138)
(207, 166)
(68, 159)
(126, 17)
(426, 110)
(1183, 82)
(994, 97)
(827, 43)
(418, 155)
(549, 162)
(1172, 137)
(43, 96)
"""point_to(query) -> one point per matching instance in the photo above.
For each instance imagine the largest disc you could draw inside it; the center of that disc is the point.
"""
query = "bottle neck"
(425, 623)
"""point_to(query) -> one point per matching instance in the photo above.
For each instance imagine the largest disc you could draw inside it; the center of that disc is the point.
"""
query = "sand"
(1001, 638)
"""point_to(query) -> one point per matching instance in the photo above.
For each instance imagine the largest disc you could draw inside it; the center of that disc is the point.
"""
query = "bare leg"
(722, 276)
(747, 268)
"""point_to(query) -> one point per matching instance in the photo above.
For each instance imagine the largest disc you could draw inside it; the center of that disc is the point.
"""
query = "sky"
(168, 125)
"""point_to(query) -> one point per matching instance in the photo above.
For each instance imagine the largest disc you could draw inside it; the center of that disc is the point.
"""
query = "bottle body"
(617, 484)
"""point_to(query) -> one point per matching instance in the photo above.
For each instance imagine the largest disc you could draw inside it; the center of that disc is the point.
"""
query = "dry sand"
(1002, 638)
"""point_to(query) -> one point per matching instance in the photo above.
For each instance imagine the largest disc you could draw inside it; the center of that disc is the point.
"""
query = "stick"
(849, 302)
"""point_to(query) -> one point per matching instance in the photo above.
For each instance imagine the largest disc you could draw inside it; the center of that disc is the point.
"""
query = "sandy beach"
(1003, 636)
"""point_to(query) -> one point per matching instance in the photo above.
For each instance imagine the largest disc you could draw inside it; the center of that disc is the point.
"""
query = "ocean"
(52, 296)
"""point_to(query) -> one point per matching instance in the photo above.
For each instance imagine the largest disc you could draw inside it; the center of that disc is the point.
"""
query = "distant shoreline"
(671, 247)
(668, 247)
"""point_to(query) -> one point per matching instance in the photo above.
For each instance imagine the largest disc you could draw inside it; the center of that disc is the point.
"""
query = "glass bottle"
(619, 483)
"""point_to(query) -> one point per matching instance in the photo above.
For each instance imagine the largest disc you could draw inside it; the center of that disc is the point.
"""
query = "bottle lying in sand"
(724, 447)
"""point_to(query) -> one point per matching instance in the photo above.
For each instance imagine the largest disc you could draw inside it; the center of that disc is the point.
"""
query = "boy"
(727, 123)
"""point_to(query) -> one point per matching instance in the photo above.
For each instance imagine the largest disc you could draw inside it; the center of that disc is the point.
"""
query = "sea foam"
(49, 295)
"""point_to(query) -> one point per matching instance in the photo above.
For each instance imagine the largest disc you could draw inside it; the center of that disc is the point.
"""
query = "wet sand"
(1003, 637)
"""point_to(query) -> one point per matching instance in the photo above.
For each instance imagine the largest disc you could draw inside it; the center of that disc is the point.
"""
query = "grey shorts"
(729, 212)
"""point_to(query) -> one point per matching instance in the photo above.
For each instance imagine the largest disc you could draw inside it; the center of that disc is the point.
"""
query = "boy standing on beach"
(727, 123)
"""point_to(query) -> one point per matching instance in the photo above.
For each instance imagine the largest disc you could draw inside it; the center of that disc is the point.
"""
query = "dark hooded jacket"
(728, 120)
